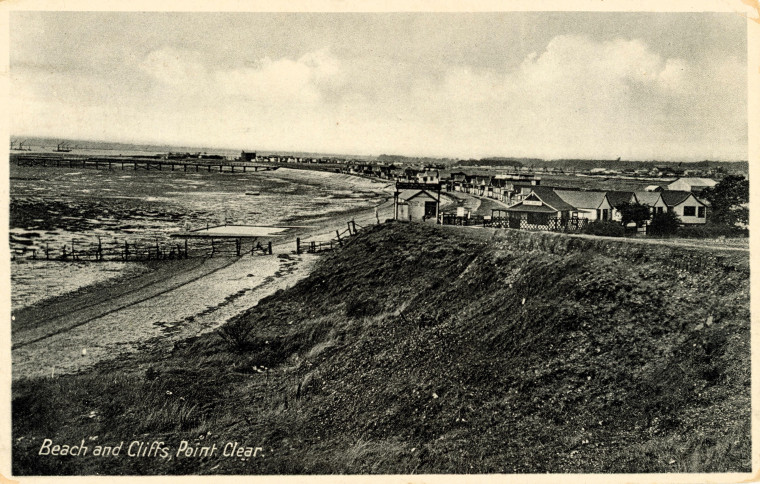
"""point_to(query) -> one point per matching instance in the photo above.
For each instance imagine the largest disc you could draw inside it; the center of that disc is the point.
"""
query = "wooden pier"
(129, 163)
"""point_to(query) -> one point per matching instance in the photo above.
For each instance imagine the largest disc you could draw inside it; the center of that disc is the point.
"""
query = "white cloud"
(578, 97)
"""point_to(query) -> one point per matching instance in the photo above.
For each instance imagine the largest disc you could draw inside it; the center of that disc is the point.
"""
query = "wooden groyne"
(132, 163)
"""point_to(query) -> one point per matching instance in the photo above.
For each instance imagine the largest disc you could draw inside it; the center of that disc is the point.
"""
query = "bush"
(665, 223)
(609, 229)
(711, 231)
(235, 333)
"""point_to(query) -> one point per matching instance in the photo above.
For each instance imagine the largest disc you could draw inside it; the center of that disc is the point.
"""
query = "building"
(416, 202)
(692, 184)
(589, 205)
(539, 210)
(684, 204)
(247, 156)
(653, 200)
(618, 198)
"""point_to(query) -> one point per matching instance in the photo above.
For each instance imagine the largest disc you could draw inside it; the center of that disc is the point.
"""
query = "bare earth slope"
(422, 349)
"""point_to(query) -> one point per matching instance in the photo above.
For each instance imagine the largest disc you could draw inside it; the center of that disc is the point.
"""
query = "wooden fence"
(115, 250)
(552, 224)
(315, 246)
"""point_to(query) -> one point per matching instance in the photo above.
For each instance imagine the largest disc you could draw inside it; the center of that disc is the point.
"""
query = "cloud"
(578, 97)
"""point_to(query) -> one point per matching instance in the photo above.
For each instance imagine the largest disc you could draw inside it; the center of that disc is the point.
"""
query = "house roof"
(674, 197)
(697, 182)
(409, 194)
(519, 207)
(617, 198)
(648, 198)
(581, 199)
(550, 197)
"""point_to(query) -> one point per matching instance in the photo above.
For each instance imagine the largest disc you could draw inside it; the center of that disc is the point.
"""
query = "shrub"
(609, 229)
(665, 223)
(236, 332)
(711, 231)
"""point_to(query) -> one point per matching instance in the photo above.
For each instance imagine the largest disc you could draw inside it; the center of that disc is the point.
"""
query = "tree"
(633, 212)
(665, 223)
(729, 201)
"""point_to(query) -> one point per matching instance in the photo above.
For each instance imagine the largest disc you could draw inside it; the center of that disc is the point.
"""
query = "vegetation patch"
(422, 349)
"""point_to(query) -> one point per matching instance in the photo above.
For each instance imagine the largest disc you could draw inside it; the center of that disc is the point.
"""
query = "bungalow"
(686, 206)
(590, 205)
(653, 200)
(537, 209)
(617, 198)
(428, 176)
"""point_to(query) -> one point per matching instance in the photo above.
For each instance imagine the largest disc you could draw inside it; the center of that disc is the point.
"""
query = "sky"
(640, 86)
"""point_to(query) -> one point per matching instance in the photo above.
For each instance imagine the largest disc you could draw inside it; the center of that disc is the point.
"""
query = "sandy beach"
(173, 300)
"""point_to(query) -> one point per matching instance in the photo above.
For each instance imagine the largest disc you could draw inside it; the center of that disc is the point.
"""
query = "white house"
(684, 204)
(653, 200)
(590, 205)
(417, 205)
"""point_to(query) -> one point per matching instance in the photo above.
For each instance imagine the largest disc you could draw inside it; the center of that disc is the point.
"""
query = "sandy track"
(30, 326)
(179, 299)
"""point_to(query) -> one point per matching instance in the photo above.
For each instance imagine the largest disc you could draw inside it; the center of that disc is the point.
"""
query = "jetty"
(136, 163)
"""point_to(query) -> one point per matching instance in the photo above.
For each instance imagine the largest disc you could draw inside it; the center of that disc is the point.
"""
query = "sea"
(53, 207)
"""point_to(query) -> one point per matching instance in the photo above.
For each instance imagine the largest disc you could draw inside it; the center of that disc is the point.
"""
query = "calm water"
(60, 206)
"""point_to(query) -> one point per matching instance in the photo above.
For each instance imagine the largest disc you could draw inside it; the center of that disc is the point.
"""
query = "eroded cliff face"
(419, 349)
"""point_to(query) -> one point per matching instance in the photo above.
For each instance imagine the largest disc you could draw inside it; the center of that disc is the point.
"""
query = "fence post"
(269, 245)
(298, 245)
(340, 242)
(353, 224)
(349, 227)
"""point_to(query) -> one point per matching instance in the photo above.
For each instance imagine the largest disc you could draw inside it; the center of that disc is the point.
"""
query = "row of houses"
(537, 205)
(540, 207)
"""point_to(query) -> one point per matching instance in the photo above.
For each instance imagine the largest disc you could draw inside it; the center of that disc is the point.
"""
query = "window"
(701, 212)
(689, 211)
(659, 209)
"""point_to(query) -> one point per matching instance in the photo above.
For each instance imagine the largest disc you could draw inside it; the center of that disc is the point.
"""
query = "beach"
(109, 312)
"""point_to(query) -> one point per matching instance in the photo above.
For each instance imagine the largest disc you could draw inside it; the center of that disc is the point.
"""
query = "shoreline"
(133, 312)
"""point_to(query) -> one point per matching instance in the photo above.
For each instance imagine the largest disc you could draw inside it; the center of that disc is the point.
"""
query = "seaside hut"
(417, 205)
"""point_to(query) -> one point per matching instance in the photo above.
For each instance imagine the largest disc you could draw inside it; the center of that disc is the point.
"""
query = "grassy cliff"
(419, 349)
